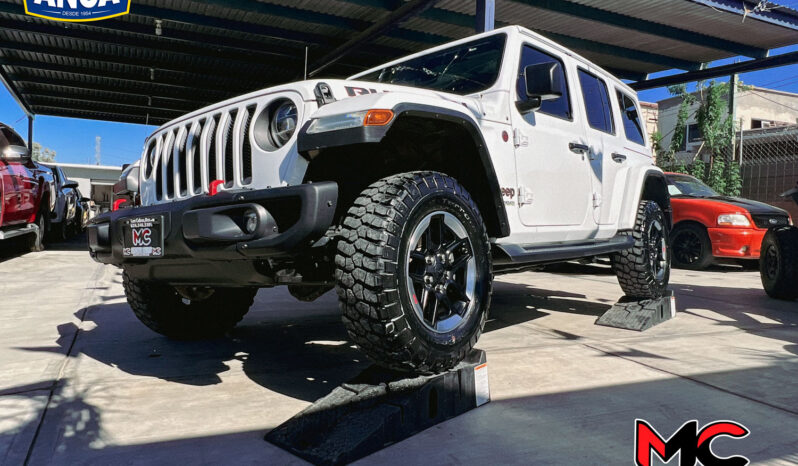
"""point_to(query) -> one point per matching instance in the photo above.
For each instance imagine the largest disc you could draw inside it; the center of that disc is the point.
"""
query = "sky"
(74, 139)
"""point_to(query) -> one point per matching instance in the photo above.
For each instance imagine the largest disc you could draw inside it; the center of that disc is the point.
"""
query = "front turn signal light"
(377, 117)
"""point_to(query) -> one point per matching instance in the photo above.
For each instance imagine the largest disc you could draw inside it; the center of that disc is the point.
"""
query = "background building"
(756, 108)
(95, 181)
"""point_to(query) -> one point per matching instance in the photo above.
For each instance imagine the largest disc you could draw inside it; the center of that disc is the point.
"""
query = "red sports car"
(707, 225)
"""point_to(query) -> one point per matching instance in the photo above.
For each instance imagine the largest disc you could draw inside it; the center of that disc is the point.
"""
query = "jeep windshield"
(463, 69)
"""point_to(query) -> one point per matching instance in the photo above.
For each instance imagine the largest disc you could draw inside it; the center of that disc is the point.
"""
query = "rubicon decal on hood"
(77, 10)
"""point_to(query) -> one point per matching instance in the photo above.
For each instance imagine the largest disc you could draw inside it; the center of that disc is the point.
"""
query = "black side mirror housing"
(71, 184)
(542, 81)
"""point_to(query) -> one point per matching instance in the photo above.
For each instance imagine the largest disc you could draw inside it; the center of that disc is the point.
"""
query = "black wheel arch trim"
(666, 199)
(306, 143)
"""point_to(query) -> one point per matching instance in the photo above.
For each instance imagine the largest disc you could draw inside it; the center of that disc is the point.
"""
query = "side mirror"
(542, 82)
(71, 184)
(85, 199)
(16, 153)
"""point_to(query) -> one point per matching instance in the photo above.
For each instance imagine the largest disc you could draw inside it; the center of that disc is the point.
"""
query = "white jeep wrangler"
(405, 187)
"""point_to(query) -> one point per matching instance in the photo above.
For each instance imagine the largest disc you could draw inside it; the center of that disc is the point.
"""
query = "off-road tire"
(163, 310)
(696, 233)
(633, 267)
(371, 282)
(778, 263)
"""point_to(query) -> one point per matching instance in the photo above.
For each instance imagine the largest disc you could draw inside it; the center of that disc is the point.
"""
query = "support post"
(30, 133)
(733, 109)
(486, 14)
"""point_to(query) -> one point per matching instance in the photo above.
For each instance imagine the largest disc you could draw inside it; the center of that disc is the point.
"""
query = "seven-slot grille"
(184, 159)
(767, 221)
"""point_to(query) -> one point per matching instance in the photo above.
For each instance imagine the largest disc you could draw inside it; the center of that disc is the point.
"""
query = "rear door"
(602, 135)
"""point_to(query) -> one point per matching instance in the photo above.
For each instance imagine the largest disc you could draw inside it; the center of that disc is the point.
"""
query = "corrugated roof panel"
(699, 18)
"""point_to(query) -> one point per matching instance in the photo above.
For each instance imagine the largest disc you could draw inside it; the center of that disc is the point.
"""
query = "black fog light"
(250, 221)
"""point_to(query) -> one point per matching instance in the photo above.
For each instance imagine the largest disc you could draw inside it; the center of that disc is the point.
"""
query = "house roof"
(169, 57)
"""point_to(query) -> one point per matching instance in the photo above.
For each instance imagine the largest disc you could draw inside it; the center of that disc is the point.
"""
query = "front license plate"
(143, 237)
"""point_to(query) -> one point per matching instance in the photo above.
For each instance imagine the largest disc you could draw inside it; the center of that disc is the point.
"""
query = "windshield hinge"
(323, 94)
(519, 140)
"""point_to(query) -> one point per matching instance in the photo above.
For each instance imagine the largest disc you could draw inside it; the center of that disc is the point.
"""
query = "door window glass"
(597, 102)
(631, 119)
(559, 107)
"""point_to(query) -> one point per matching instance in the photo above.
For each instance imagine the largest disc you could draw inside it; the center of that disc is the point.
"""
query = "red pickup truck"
(26, 191)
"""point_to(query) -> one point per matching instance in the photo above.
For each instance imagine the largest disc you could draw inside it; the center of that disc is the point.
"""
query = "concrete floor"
(82, 381)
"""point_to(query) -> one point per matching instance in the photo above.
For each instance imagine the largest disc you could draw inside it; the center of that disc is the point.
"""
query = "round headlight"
(283, 123)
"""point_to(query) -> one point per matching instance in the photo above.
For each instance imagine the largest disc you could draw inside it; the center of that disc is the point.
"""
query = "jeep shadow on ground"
(301, 353)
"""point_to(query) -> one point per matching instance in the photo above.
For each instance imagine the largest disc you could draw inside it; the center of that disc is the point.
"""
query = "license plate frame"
(142, 237)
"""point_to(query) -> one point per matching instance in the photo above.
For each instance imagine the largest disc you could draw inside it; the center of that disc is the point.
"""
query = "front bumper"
(739, 243)
(198, 248)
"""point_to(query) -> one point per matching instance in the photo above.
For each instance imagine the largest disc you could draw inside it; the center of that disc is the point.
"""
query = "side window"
(631, 119)
(560, 107)
(597, 102)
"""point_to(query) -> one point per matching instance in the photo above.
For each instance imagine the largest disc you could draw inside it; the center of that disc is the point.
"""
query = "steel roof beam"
(40, 88)
(181, 106)
(381, 27)
(99, 106)
(165, 63)
(632, 54)
(103, 116)
(626, 74)
(645, 26)
(184, 96)
(719, 71)
(127, 76)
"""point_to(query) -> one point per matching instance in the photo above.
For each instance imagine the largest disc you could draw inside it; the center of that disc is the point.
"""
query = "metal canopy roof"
(130, 69)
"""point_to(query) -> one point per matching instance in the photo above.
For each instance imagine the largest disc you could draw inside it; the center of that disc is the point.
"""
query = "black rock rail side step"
(381, 407)
(633, 314)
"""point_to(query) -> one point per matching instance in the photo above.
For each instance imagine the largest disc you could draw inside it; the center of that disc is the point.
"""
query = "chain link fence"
(768, 160)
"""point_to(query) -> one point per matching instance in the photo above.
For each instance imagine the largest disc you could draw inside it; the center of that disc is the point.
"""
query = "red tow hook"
(213, 187)
(117, 204)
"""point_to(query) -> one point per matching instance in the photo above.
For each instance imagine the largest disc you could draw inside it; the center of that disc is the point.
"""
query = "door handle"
(620, 158)
(578, 148)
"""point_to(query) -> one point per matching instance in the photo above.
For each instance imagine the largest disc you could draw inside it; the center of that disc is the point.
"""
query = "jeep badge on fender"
(399, 188)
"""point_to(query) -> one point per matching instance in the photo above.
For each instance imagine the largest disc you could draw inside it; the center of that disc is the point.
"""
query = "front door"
(551, 160)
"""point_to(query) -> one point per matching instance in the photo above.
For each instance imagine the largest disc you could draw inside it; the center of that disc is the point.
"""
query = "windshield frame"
(443, 49)
(689, 178)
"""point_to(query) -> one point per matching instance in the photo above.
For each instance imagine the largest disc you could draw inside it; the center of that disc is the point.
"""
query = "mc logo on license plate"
(141, 236)
(77, 10)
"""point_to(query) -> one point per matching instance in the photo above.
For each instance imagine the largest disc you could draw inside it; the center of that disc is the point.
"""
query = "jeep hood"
(341, 89)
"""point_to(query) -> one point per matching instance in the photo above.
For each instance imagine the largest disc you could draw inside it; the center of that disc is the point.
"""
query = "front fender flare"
(308, 144)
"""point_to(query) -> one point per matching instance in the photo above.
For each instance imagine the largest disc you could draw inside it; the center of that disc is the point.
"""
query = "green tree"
(734, 179)
(40, 154)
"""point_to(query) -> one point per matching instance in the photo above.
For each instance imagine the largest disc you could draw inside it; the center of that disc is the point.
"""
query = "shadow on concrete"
(303, 358)
(582, 426)
(761, 315)
(78, 421)
(78, 242)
